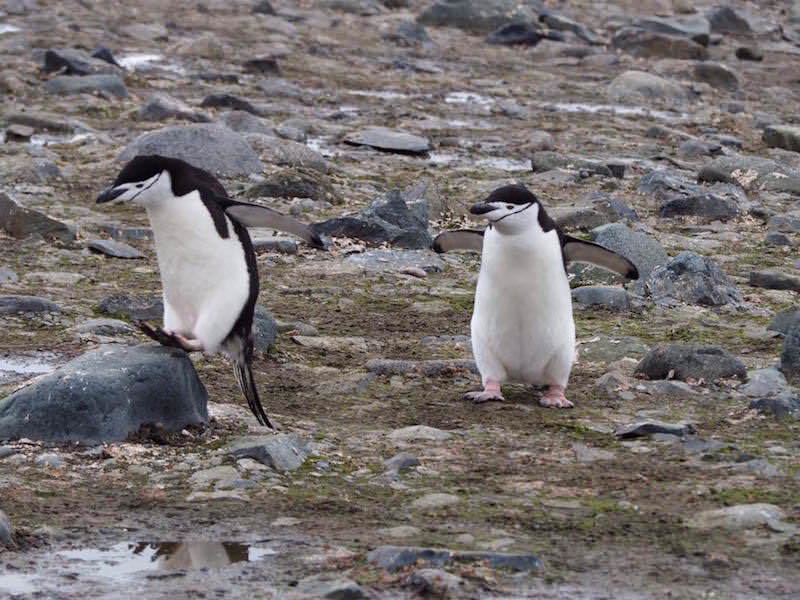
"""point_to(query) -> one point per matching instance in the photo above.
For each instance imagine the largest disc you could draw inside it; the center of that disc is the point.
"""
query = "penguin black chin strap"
(516, 212)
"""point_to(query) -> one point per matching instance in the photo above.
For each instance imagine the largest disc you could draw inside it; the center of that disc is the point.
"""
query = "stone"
(648, 44)
(783, 405)
(693, 279)
(19, 133)
(401, 462)
(639, 87)
(289, 132)
(434, 583)
(782, 136)
(516, 34)
(11, 305)
(687, 361)
(559, 22)
(585, 454)
(774, 238)
(652, 427)
(773, 279)
(393, 218)
(161, 107)
(479, 16)
(790, 356)
(753, 53)
(317, 586)
(281, 152)
(114, 249)
(710, 207)
(409, 33)
(282, 452)
(106, 395)
(724, 19)
(263, 65)
(694, 27)
(71, 61)
(782, 321)
(787, 223)
(429, 368)
(20, 222)
(544, 161)
(396, 558)
(389, 140)
(692, 149)
(752, 173)
(740, 516)
(50, 459)
(206, 477)
(613, 298)
(86, 84)
(642, 250)
(716, 75)
(263, 7)
(419, 432)
(243, 122)
(8, 276)
(400, 531)
(132, 308)
(229, 101)
(104, 53)
(332, 343)
(6, 531)
(296, 183)
(108, 327)
(208, 146)
(764, 383)
(265, 329)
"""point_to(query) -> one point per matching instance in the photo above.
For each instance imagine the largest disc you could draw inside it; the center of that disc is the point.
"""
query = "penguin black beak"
(481, 208)
(110, 194)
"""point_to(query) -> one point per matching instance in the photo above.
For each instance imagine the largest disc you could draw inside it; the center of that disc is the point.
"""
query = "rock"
(651, 427)
(773, 279)
(76, 62)
(38, 170)
(693, 279)
(50, 459)
(317, 586)
(429, 368)
(751, 173)
(614, 298)
(86, 84)
(332, 343)
(6, 531)
(229, 101)
(694, 27)
(585, 454)
(709, 206)
(740, 516)
(282, 152)
(434, 583)
(289, 132)
(409, 33)
(401, 531)
(161, 107)
(684, 361)
(263, 65)
(642, 250)
(790, 357)
(782, 136)
(716, 75)
(282, 452)
(389, 219)
(390, 140)
(108, 327)
(106, 395)
(782, 321)
(104, 53)
(561, 23)
(638, 87)
(544, 161)
(782, 405)
(401, 462)
(749, 53)
(419, 432)
(132, 308)
(211, 147)
(265, 329)
(273, 244)
(788, 223)
(777, 239)
(516, 34)
(395, 558)
(206, 477)
(8, 276)
(594, 210)
(724, 19)
(11, 305)
(682, 197)
(114, 249)
(479, 16)
(244, 122)
(19, 133)
(764, 383)
(296, 183)
(20, 222)
(692, 149)
(648, 44)
(264, 7)
(435, 500)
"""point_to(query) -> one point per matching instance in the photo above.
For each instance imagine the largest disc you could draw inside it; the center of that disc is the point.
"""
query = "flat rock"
(71, 61)
(11, 305)
(685, 361)
(211, 147)
(642, 250)
(546, 160)
(132, 308)
(114, 249)
(782, 321)
(716, 75)
(245, 122)
(783, 405)
(281, 152)
(401, 462)
(390, 140)
(282, 452)
(400, 531)
(161, 107)
(682, 197)
(8, 276)
(752, 173)
(782, 136)
(109, 327)
(764, 383)
(652, 427)
(479, 16)
(694, 27)
(773, 279)
(419, 432)
(106, 395)
(516, 34)
(435, 500)
(614, 298)
(642, 43)
(296, 183)
(229, 101)
(86, 84)
(692, 279)
(639, 87)
(741, 516)
(332, 343)
(395, 558)
(213, 475)
(382, 261)
(20, 222)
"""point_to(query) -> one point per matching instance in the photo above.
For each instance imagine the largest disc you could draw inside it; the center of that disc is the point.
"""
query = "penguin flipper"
(459, 239)
(577, 250)
(244, 375)
(254, 215)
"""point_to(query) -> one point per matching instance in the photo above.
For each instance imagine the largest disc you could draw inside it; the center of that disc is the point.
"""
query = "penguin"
(522, 324)
(205, 257)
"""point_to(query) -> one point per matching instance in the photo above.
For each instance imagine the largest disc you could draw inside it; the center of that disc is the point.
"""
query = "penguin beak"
(110, 194)
(481, 208)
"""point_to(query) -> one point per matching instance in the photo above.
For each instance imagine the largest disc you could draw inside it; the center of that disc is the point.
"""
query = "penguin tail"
(242, 368)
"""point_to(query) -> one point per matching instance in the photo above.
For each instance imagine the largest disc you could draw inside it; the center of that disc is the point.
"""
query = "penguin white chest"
(522, 325)
(204, 275)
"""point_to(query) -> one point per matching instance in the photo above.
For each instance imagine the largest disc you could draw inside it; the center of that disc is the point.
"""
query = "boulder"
(685, 361)
(693, 279)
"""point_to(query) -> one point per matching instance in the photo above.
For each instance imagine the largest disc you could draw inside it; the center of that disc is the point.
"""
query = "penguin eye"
(139, 185)
(509, 206)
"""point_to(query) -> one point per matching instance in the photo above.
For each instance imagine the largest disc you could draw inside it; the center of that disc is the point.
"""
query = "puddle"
(18, 368)
(15, 583)
(387, 95)
(468, 98)
(126, 559)
(616, 109)
(505, 164)
(8, 28)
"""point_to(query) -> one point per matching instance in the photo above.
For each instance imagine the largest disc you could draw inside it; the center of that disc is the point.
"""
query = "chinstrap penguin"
(522, 324)
(206, 259)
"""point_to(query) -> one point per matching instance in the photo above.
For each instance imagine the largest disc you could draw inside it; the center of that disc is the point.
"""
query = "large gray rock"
(132, 308)
(394, 261)
(694, 27)
(753, 173)
(693, 279)
(20, 222)
(764, 383)
(649, 44)
(773, 279)
(72, 61)
(684, 362)
(739, 517)
(11, 305)
(479, 16)
(680, 196)
(106, 395)
(784, 320)
(638, 87)
(245, 122)
(716, 75)
(161, 107)
(389, 140)
(296, 183)
(642, 250)
(282, 152)
(546, 160)
(86, 84)
(724, 19)
(211, 147)
(790, 357)
(782, 136)
(614, 298)
(282, 452)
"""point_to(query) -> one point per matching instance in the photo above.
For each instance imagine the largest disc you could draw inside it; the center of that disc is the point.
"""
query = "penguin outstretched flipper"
(243, 370)
(577, 250)
(254, 215)
(459, 239)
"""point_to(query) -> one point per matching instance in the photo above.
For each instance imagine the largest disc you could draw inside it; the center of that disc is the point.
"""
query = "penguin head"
(144, 180)
(511, 209)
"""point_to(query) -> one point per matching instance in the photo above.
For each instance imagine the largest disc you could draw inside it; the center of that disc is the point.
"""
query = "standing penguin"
(522, 325)
(206, 259)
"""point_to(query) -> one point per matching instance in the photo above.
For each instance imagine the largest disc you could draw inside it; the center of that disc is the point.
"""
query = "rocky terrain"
(664, 130)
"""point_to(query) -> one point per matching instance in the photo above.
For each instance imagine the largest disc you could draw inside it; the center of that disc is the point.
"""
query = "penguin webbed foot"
(490, 393)
(554, 398)
(167, 338)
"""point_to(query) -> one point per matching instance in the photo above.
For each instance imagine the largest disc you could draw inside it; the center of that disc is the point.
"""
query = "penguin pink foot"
(554, 398)
(491, 392)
